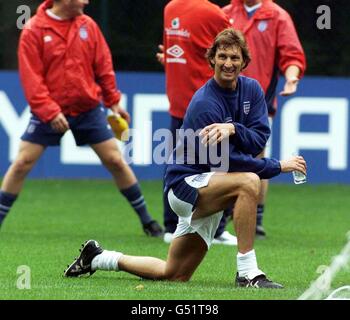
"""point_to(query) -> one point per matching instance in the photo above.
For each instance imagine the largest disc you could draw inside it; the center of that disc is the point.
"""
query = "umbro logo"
(175, 51)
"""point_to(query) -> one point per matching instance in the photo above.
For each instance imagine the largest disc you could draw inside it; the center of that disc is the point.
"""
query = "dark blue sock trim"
(136, 200)
(6, 202)
(132, 193)
(7, 199)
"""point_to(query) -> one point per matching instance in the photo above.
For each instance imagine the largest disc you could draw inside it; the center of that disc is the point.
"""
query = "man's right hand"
(60, 123)
(216, 132)
(295, 163)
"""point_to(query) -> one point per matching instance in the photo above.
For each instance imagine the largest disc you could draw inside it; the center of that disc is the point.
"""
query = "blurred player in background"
(275, 48)
(190, 27)
(66, 70)
(199, 191)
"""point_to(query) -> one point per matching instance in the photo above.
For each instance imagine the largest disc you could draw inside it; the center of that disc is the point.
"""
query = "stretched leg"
(28, 155)
(185, 254)
(126, 181)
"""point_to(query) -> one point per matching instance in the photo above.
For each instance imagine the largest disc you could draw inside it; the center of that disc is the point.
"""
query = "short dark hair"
(228, 38)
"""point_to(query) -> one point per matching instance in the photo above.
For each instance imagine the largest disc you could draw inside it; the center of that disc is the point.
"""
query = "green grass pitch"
(306, 227)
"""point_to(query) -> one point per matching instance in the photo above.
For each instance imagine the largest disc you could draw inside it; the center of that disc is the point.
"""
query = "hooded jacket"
(65, 66)
(273, 43)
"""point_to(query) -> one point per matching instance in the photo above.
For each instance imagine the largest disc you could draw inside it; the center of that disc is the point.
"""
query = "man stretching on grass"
(230, 111)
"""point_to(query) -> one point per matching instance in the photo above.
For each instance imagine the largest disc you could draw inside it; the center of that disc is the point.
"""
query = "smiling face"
(228, 56)
(228, 63)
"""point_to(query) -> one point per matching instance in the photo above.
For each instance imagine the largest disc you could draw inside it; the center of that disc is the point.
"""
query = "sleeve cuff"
(113, 100)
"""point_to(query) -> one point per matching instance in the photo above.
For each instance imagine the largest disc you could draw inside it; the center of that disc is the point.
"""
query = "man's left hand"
(118, 110)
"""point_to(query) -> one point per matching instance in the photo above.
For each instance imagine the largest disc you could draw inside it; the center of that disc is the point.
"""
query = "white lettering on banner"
(144, 105)
(72, 154)
(14, 124)
(334, 141)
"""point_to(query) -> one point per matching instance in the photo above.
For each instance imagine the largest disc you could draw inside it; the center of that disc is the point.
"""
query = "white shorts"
(205, 227)
(268, 146)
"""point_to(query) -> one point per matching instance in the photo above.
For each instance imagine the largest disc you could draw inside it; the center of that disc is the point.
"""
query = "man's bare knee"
(115, 162)
(22, 165)
(251, 184)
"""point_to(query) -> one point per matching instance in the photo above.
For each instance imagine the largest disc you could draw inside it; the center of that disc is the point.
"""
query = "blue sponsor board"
(314, 123)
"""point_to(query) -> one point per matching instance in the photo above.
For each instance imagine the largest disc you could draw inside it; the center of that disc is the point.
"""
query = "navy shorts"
(89, 127)
(186, 193)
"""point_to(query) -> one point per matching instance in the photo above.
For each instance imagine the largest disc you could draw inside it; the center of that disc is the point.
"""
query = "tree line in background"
(134, 29)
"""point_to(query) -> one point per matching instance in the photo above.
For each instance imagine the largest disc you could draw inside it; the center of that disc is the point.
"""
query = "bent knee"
(251, 184)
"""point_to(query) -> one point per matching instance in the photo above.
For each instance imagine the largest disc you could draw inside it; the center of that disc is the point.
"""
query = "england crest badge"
(262, 26)
(83, 33)
(246, 107)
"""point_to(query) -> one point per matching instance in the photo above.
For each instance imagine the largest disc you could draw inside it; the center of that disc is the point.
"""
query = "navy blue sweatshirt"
(246, 109)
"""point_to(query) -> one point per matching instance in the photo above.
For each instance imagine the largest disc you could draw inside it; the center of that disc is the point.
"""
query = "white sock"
(247, 265)
(107, 260)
